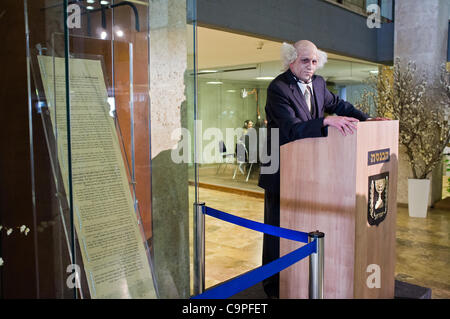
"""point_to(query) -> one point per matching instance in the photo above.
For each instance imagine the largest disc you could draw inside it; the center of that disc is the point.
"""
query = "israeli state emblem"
(378, 198)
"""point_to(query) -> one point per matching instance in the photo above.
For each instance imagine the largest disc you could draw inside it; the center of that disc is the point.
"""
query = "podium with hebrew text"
(345, 187)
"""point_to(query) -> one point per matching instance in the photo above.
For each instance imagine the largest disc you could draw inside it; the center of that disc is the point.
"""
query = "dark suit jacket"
(287, 110)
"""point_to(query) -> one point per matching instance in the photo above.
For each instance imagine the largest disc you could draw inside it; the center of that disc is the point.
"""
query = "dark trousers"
(271, 244)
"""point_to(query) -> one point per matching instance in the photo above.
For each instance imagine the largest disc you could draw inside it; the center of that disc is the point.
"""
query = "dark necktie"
(308, 97)
(312, 102)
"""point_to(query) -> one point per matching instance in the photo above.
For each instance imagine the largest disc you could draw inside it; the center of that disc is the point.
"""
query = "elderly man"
(297, 101)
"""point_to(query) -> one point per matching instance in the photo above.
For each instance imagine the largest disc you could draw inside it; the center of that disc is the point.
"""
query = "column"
(421, 35)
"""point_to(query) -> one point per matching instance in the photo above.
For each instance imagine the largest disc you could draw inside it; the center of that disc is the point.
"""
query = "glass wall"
(233, 73)
(231, 93)
(106, 91)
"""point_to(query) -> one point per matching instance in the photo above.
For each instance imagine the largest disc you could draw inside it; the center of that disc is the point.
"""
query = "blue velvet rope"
(242, 282)
(256, 275)
(264, 228)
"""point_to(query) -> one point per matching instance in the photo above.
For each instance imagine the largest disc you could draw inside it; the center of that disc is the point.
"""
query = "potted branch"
(422, 110)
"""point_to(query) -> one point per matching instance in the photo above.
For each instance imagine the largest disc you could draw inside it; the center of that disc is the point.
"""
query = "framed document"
(94, 176)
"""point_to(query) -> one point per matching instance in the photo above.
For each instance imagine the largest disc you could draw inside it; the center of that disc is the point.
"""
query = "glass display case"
(106, 90)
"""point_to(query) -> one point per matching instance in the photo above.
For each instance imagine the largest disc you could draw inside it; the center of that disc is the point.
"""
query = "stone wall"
(170, 208)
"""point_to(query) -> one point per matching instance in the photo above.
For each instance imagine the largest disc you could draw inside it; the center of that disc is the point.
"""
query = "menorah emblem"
(380, 184)
(378, 198)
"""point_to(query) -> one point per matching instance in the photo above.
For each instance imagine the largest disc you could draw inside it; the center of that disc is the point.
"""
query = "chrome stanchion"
(316, 266)
(199, 248)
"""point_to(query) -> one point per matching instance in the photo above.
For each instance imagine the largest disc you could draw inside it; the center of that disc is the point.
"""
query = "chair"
(225, 156)
(242, 158)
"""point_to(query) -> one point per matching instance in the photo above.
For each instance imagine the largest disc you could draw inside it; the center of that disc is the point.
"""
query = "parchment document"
(112, 247)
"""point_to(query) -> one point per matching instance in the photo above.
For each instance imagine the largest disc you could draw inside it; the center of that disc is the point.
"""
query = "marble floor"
(423, 245)
(210, 175)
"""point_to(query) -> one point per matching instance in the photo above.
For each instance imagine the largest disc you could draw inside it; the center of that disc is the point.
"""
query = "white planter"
(418, 192)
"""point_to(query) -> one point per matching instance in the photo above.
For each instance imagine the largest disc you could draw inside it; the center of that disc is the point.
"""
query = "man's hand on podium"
(345, 125)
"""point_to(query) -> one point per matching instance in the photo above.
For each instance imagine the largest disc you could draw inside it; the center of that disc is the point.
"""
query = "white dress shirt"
(302, 87)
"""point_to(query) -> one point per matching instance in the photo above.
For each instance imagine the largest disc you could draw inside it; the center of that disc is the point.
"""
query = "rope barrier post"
(199, 248)
(316, 266)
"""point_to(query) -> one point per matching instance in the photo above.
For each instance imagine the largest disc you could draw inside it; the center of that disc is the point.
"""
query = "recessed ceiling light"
(104, 2)
(265, 78)
(214, 82)
(90, 1)
(90, 7)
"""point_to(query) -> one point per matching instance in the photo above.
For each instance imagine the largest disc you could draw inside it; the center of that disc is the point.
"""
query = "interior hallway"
(423, 245)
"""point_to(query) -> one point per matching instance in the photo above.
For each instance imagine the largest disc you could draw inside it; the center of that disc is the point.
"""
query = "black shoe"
(271, 291)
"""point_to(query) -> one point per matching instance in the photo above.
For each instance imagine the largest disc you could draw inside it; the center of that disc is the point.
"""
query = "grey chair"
(241, 160)
(225, 156)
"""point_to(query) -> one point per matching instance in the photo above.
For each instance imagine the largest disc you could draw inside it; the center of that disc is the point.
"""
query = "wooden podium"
(345, 187)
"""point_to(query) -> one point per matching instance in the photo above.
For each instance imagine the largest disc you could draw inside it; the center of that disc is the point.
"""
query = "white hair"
(289, 55)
